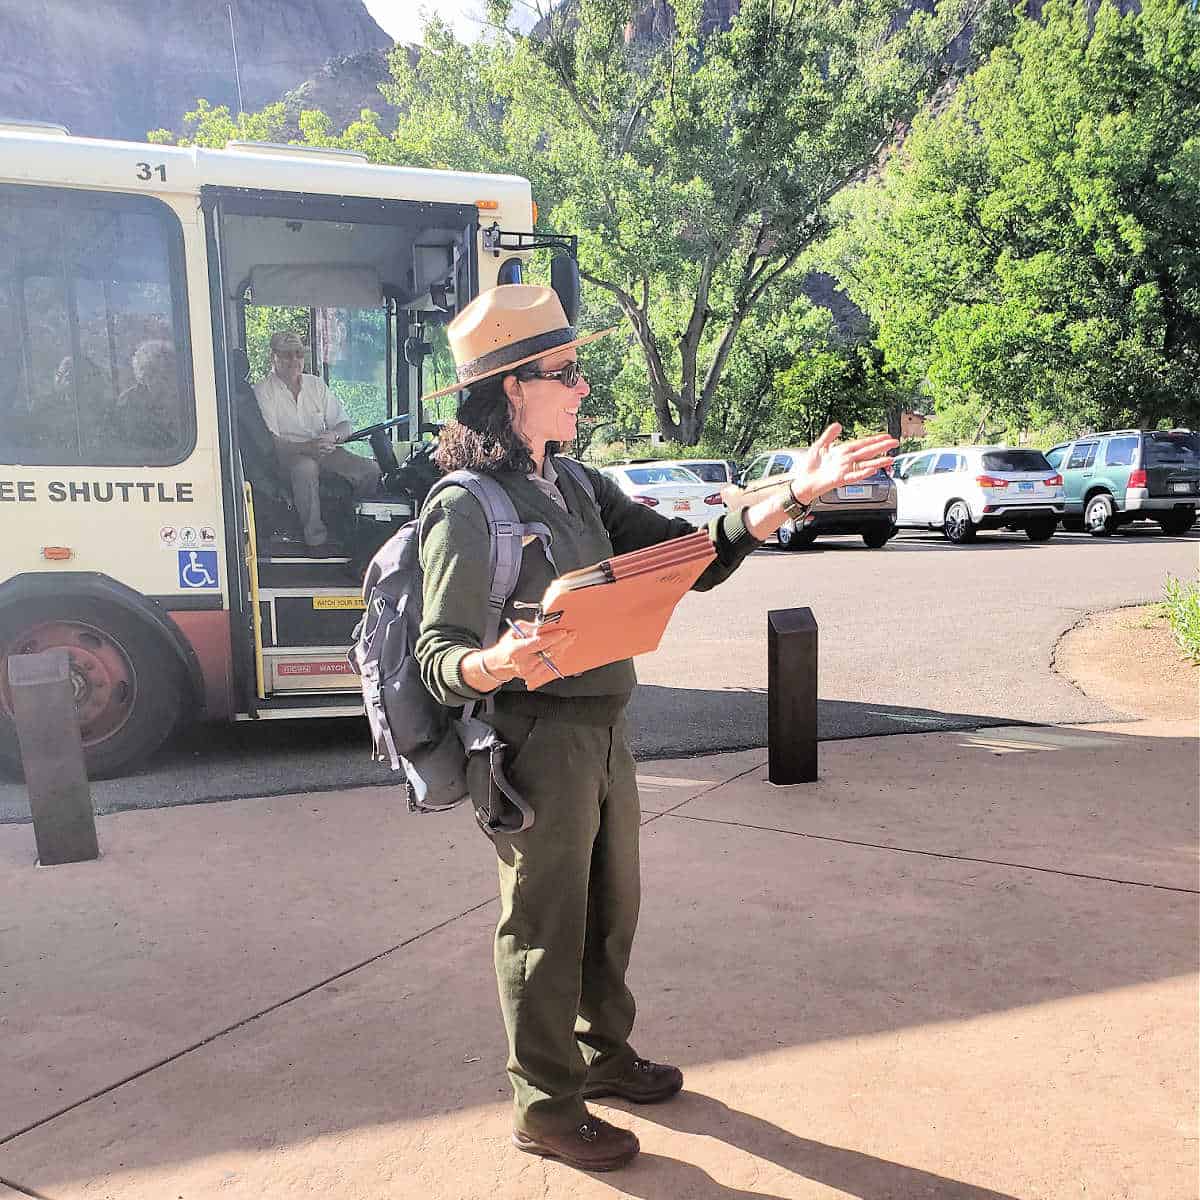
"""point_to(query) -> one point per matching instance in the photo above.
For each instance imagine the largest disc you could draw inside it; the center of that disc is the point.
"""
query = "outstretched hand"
(828, 463)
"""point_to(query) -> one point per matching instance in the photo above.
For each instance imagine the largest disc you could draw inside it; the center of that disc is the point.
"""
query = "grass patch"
(1182, 609)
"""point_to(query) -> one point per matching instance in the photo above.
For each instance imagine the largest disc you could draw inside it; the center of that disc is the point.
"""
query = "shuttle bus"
(145, 525)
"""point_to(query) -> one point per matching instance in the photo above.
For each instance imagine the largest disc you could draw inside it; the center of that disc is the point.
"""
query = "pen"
(541, 653)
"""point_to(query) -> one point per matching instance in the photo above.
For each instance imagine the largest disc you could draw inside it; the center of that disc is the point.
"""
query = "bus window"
(439, 372)
(352, 347)
(93, 346)
(347, 348)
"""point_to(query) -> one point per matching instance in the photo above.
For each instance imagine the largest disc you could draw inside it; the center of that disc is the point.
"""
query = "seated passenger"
(308, 421)
(146, 415)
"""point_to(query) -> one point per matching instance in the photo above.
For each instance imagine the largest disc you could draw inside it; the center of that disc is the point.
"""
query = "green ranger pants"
(569, 896)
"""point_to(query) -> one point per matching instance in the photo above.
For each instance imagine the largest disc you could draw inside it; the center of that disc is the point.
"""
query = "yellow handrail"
(252, 567)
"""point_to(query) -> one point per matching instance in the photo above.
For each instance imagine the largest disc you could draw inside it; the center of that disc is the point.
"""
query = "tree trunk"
(894, 413)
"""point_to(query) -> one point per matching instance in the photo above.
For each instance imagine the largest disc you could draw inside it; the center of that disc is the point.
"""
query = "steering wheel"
(364, 434)
(381, 444)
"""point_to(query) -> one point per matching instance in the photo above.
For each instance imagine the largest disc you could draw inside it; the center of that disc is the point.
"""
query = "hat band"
(515, 351)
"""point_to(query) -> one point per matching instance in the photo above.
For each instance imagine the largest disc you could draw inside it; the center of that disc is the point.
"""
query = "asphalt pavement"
(918, 637)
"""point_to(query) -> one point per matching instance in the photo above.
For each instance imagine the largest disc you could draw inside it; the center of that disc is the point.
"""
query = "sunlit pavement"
(960, 965)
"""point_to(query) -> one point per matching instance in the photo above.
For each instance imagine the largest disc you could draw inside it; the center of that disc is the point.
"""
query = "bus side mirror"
(564, 279)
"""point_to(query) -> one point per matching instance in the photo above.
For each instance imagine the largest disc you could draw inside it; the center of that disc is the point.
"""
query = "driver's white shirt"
(298, 419)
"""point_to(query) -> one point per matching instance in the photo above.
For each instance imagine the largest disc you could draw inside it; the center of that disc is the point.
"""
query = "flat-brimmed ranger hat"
(505, 328)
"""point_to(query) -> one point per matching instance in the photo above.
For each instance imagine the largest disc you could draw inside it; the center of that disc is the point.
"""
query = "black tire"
(1040, 531)
(1100, 515)
(957, 524)
(791, 538)
(877, 537)
(142, 708)
(1072, 524)
(1175, 524)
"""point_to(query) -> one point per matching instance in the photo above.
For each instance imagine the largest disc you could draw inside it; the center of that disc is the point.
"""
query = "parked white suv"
(962, 489)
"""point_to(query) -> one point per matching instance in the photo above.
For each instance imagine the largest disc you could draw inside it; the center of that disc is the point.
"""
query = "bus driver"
(308, 422)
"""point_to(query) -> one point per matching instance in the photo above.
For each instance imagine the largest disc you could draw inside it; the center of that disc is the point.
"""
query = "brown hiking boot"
(595, 1145)
(642, 1082)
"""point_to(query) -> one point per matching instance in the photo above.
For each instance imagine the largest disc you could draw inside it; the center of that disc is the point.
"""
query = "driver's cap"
(285, 339)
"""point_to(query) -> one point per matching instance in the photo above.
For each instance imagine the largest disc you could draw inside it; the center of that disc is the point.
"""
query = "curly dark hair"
(481, 437)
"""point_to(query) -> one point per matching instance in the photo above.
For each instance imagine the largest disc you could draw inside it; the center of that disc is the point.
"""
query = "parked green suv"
(1111, 479)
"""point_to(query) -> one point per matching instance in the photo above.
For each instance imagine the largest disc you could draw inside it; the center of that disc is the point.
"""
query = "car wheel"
(878, 536)
(1040, 531)
(1099, 516)
(128, 691)
(1177, 523)
(958, 526)
(791, 538)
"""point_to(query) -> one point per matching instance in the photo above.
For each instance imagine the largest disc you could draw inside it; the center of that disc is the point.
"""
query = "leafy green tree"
(1032, 254)
(695, 170)
(829, 383)
(745, 408)
(214, 126)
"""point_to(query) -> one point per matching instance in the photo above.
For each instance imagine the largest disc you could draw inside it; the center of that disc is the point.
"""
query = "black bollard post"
(64, 825)
(791, 695)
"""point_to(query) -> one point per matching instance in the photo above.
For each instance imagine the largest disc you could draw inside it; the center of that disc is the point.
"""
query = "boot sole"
(606, 1164)
(598, 1090)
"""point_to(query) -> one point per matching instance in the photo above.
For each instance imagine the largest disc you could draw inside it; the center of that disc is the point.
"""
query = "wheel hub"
(103, 682)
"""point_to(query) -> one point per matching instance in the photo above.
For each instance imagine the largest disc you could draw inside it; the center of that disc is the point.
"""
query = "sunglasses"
(568, 376)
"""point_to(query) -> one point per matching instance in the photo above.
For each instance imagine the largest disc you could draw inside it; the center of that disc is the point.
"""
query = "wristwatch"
(794, 509)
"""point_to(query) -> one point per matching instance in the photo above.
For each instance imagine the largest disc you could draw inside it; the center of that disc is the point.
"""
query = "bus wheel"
(127, 685)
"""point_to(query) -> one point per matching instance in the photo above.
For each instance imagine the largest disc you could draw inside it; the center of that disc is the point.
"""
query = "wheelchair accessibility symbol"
(198, 569)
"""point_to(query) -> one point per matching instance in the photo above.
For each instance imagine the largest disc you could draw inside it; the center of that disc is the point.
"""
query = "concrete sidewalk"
(960, 965)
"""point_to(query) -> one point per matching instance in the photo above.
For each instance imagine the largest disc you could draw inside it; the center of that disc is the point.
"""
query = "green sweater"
(456, 561)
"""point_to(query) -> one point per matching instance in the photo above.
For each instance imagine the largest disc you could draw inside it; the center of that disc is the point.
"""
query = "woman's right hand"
(516, 657)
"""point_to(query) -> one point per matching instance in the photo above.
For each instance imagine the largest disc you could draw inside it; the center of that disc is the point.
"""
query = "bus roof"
(43, 154)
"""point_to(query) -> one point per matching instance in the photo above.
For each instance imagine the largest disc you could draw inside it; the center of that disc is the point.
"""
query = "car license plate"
(683, 506)
(1026, 487)
(849, 493)
(1181, 487)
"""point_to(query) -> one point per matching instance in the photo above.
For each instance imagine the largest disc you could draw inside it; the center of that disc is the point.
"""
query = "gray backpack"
(410, 729)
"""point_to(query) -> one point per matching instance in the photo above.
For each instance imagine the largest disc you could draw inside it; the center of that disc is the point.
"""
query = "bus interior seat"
(259, 464)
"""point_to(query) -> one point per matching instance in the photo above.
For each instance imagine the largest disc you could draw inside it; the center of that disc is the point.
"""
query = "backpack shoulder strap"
(508, 542)
(577, 472)
(508, 534)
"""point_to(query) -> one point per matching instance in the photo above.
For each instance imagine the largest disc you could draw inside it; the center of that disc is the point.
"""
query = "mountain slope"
(117, 68)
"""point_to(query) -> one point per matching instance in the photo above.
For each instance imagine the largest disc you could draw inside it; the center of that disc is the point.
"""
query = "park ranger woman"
(569, 884)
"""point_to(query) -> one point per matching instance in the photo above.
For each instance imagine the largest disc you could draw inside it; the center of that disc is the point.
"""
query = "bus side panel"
(208, 633)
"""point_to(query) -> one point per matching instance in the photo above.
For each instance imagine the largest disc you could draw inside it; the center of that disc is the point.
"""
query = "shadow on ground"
(848, 1172)
(226, 762)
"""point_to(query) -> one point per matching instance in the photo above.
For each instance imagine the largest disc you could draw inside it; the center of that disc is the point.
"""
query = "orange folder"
(620, 607)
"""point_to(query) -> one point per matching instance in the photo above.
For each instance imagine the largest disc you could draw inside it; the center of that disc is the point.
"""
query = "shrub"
(1183, 611)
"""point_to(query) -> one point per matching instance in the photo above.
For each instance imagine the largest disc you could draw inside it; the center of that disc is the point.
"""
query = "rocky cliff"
(117, 68)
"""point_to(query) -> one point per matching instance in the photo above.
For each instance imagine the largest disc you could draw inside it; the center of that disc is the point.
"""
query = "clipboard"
(620, 607)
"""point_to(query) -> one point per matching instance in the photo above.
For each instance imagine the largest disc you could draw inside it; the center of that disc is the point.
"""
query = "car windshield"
(711, 472)
(647, 475)
(1172, 450)
(1015, 460)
